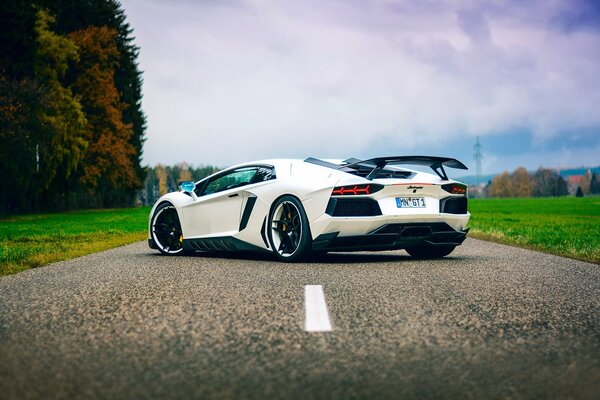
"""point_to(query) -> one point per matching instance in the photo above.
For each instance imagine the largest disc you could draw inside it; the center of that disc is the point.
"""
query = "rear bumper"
(393, 236)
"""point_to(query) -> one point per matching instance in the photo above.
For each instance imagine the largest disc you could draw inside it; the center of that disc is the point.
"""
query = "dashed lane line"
(316, 318)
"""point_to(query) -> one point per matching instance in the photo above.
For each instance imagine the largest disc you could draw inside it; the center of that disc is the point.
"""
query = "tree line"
(542, 183)
(71, 123)
(163, 179)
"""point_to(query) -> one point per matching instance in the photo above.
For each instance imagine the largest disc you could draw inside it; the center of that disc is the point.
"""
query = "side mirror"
(188, 187)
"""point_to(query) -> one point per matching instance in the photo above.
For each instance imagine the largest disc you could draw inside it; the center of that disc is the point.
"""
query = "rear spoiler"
(377, 164)
(435, 163)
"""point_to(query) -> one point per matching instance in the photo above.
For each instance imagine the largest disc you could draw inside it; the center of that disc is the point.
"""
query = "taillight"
(354, 190)
(455, 188)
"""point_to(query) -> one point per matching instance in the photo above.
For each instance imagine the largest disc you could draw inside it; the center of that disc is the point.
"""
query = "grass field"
(29, 241)
(566, 226)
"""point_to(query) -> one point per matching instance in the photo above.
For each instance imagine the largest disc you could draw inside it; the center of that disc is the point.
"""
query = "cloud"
(232, 81)
(579, 15)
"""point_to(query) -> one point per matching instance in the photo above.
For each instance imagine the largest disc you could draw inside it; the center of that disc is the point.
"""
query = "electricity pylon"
(478, 156)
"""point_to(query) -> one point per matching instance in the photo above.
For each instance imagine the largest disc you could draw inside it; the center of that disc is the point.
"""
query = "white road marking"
(316, 318)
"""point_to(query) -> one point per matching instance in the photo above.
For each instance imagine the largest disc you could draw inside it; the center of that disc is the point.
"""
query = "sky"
(232, 81)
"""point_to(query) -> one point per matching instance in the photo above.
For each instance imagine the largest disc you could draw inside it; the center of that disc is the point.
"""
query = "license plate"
(410, 202)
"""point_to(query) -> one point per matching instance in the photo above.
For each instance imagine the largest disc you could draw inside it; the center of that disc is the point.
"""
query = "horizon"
(451, 172)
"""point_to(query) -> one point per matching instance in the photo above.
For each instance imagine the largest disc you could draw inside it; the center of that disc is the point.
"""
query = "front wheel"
(289, 232)
(430, 252)
(166, 230)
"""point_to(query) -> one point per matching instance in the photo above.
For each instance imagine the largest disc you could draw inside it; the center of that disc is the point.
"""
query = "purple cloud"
(242, 80)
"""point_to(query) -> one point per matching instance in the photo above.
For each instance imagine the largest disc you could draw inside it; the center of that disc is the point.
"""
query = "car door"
(218, 209)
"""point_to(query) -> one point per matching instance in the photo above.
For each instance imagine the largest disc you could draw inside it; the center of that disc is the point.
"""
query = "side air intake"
(453, 205)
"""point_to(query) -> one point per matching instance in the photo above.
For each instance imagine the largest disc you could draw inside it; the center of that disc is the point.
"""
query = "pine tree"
(22, 103)
(17, 39)
(595, 184)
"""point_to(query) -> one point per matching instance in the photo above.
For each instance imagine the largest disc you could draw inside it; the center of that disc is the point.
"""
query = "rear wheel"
(166, 230)
(289, 233)
(430, 252)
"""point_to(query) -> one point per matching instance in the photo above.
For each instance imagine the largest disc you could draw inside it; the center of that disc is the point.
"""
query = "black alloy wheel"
(166, 230)
(289, 233)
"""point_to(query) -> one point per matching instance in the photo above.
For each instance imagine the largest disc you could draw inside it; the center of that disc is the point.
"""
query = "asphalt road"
(491, 321)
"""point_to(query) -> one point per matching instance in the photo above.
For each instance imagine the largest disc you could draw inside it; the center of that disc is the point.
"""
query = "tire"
(165, 229)
(289, 232)
(430, 252)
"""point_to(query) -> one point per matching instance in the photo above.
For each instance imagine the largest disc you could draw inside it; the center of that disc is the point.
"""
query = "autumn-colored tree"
(184, 172)
(521, 183)
(75, 15)
(501, 186)
(108, 161)
(161, 174)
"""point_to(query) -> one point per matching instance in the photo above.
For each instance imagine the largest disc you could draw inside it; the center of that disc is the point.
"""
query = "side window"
(263, 174)
(234, 179)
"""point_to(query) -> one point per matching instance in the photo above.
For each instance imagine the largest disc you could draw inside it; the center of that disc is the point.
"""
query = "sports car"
(299, 208)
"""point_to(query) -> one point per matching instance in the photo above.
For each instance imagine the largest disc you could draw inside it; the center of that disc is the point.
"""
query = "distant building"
(581, 180)
(573, 182)
(573, 177)
(477, 191)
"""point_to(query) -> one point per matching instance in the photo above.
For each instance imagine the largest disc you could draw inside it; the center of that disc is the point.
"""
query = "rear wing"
(377, 164)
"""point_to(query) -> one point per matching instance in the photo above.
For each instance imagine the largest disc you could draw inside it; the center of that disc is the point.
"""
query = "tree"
(42, 122)
(161, 174)
(22, 103)
(68, 96)
(547, 182)
(521, 183)
(160, 179)
(61, 143)
(203, 171)
(75, 15)
(108, 165)
(17, 39)
(579, 192)
(184, 172)
(501, 186)
(595, 184)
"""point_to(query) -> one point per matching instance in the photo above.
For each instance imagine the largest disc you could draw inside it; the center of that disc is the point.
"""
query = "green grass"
(30, 241)
(565, 226)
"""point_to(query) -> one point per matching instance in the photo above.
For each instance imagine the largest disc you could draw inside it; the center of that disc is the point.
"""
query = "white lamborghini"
(296, 208)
